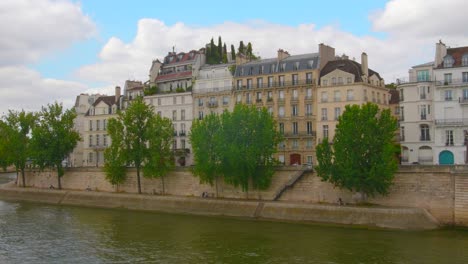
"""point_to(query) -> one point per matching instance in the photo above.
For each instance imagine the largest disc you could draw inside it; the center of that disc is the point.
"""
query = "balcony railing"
(182, 133)
(463, 100)
(455, 82)
(276, 84)
(258, 100)
(452, 122)
(175, 133)
(213, 104)
(423, 117)
(300, 134)
(425, 138)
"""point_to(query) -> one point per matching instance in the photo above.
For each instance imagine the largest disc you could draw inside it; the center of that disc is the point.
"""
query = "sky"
(53, 50)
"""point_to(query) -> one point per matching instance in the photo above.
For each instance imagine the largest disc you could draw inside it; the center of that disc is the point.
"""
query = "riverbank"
(382, 217)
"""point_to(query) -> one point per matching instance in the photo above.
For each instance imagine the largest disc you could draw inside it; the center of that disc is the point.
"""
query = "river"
(38, 233)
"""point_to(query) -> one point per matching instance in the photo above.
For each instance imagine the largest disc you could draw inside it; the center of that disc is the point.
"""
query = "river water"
(37, 233)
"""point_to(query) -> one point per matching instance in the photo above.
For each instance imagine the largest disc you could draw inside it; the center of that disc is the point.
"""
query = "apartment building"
(178, 107)
(178, 70)
(346, 82)
(95, 122)
(451, 104)
(212, 92)
(286, 86)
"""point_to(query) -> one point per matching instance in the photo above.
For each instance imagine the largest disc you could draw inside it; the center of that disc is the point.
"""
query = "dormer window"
(272, 68)
(448, 61)
(465, 60)
(296, 66)
(310, 64)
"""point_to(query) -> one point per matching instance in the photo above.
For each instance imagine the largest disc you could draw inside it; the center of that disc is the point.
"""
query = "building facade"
(346, 82)
(286, 86)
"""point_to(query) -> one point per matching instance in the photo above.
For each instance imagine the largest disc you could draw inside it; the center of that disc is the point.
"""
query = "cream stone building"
(177, 107)
(212, 92)
(95, 122)
(346, 82)
(286, 86)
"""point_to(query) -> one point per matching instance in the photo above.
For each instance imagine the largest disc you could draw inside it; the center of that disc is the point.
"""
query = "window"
(239, 98)
(272, 68)
(174, 144)
(295, 128)
(98, 140)
(174, 115)
(182, 128)
(90, 125)
(334, 81)
(349, 80)
(104, 124)
(350, 95)
(373, 96)
(200, 115)
(448, 61)
(402, 113)
(90, 157)
(422, 92)
(402, 95)
(422, 111)
(465, 60)
(309, 78)
(225, 100)
(281, 111)
(261, 69)
(281, 128)
(270, 81)
(449, 137)
(423, 76)
(98, 125)
(365, 95)
(402, 133)
(270, 110)
(465, 77)
(90, 141)
(309, 93)
(248, 99)
(281, 80)
(325, 131)
(448, 95)
(239, 84)
(295, 79)
(295, 144)
(295, 94)
(447, 78)
(270, 96)
(309, 128)
(281, 158)
(281, 95)
(182, 143)
(249, 83)
(340, 80)
(308, 109)
(182, 114)
(337, 96)
(337, 112)
(324, 114)
(259, 97)
(309, 160)
(200, 102)
(324, 97)
(309, 143)
(104, 139)
(465, 94)
(425, 133)
(295, 110)
(324, 82)
(259, 82)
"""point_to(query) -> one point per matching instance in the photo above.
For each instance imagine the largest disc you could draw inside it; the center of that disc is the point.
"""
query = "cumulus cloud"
(34, 28)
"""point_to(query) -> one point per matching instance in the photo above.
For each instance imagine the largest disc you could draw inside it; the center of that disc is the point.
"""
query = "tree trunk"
(59, 175)
(138, 179)
(163, 189)
(59, 183)
(23, 178)
(216, 182)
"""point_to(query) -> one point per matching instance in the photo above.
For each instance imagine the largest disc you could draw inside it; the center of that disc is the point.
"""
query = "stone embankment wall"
(441, 190)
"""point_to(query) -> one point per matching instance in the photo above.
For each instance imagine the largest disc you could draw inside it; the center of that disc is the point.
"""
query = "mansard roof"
(349, 66)
(457, 54)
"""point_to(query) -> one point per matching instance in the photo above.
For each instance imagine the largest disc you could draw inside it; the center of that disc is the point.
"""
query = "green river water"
(37, 233)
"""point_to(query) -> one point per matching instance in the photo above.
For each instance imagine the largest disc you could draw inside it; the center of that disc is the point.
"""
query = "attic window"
(465, 60)
(296, 66)
(310, 64)
(272, 68)
(448, 61)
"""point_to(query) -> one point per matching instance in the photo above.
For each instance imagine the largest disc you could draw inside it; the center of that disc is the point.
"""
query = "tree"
(220, 49)
(241, 49)
(54, 138)
(233, 52)
(15, 140)
(206, 140)
(225, 60)
(362, 156)
(139, 138)
(249, 50)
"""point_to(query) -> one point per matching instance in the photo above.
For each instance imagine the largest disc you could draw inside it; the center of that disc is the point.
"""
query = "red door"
(295, 159)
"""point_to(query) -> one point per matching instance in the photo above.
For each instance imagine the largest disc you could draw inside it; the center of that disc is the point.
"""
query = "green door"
(446, 158)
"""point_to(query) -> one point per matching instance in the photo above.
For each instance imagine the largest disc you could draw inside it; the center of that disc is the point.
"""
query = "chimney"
(282, 54)
(117, 94)
(364, 67)
(326, 54)
(441, 51)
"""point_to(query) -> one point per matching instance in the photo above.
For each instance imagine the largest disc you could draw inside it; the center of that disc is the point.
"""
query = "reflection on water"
(34, 233)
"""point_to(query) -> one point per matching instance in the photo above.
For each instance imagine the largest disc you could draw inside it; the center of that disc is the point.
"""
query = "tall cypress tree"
(233, 52)
(249, 50)
(225, 60)
(241, 47)
(220, 49)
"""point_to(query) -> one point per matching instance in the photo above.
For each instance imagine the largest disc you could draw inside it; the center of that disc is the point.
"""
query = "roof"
(131, 85)
(173, 58)
(427, 64)
(108, 100)
(273, 65)
(394, 96)
(349, 66)
(457, 54)
(177, 75)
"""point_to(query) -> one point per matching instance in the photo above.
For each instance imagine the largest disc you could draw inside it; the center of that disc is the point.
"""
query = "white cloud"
(34, 28)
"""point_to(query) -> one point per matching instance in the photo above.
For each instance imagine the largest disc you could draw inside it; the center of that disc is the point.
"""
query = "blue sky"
(53, 50)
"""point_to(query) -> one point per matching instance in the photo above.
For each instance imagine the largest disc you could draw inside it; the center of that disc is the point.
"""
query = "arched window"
(425, 136)
(465, 60)
(448, 61)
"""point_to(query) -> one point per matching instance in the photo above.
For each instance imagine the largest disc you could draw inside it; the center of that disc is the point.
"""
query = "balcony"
(463, 100)
(423, 117)
(182, 133)
(453, 82)
(452, 122)
(258, 100)
(306, 82)
(300, 134)
(213, 104)
(422, 96)
(308, 97)
(175, 133)
(425, 138)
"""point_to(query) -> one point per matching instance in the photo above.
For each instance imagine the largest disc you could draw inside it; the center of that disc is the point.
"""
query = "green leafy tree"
(114, 155)
(241, 49)
(54, 138)
(362, 157)
(225, 60)
(143, 138)
(15, 140)
(233, 52)
(206, 140)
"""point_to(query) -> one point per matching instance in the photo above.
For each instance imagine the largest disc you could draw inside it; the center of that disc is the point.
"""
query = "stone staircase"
(296, 177)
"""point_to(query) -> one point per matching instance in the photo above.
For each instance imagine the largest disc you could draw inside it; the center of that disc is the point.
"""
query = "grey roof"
(272, 65)
(431, 63)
